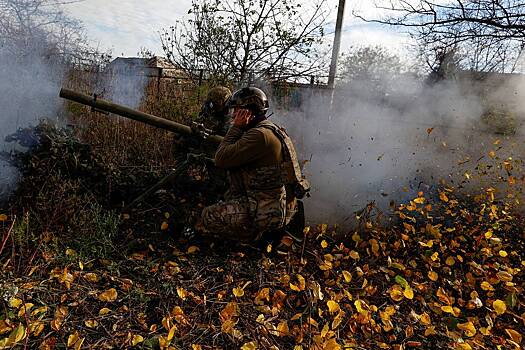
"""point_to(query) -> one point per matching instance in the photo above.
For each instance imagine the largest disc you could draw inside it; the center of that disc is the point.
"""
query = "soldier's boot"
(293, 233)
(296, 226)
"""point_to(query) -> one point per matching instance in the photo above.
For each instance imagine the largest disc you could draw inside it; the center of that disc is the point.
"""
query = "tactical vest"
(292, 176)
(273, 191)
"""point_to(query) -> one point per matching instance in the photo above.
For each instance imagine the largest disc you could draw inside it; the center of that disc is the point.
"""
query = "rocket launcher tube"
(131, 113)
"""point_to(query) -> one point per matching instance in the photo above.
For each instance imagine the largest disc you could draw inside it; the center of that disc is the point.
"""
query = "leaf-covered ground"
(441, 271)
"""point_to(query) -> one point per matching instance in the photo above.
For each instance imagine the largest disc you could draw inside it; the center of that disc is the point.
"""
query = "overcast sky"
(125, 26)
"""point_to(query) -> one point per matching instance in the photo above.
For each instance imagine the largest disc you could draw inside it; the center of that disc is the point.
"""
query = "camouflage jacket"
(254, 159)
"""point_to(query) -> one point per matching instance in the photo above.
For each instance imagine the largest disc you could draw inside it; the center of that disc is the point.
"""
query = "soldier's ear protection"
(208, 109)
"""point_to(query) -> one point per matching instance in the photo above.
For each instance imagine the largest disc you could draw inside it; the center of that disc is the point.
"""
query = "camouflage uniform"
(201, 180)
(257, 201)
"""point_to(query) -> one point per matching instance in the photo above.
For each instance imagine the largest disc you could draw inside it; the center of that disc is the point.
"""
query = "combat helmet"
(250, 98)
(215, 103)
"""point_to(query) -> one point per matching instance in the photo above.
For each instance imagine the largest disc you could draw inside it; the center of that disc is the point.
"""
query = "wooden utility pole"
(337, 43)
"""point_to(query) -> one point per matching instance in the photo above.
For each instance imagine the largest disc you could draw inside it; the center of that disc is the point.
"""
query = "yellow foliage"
(433, 276)
(137, 339)
(408, 293)
(468, 328)
(300, 286)
(499, 306)
(109, 295)
(249, 346)
(333, 306)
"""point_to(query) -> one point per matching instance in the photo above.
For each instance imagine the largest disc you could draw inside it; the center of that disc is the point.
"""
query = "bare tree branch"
(237, 38)
(494, 28)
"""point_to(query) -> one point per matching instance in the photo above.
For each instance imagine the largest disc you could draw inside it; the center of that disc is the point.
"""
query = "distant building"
(133, 80)
(154, 67)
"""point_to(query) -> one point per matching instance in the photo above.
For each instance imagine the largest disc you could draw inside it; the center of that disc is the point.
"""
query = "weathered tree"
(370, 63)
(237, 38)
(42, 28)
(489, 35)
(371, 72)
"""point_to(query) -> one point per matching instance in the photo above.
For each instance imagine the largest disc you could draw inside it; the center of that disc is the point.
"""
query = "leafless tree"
(488, 34)
(41, 28)
(236, 38)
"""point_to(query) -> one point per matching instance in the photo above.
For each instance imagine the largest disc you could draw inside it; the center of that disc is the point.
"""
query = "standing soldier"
(265, 178)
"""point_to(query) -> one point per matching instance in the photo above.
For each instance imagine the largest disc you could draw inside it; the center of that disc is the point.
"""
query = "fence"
(136, 87)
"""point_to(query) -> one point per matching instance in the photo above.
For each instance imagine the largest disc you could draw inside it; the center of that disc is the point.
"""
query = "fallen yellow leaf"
(447, 309)
(104, 311)
(18, 334)
(91, 323)
(301, 286)
(359, 306)
(433, 276)
(283, 329)
(443, 197)
(238, 292)
(396, 293)
(181, 292)
(72, 339)
(354, 255)
(468, 328)
(425, 319)
(499, 306)
(193, 249)
(486, 286)
(408, 293)
(515, 336)
(333, 306)
(109, 295)
(15, 303)
(331, 344)
(249, 346)
(91, 277)
(419, 200)
(137, 339)
(348, 276)
(171, 333)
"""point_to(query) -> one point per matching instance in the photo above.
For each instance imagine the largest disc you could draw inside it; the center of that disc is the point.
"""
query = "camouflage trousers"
(246, 218)
(232, 219)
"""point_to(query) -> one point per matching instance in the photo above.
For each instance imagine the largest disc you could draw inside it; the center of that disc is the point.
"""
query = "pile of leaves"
(442, 271)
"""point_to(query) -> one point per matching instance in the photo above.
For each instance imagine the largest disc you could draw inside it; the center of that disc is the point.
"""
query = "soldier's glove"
(199, 158)
(302, 189)
(200, 130)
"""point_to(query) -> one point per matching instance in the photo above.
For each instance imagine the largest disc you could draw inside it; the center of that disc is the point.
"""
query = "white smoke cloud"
(383, 147)
(28, 92)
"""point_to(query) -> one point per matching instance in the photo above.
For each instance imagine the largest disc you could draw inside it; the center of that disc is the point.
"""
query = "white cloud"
(370, 34)
(127, 25)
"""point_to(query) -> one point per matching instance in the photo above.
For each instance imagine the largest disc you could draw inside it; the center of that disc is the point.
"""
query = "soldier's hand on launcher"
(242, 117)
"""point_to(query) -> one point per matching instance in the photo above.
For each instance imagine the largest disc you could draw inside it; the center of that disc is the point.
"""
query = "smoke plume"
(28, 92)
(125, 81)
(386, 145)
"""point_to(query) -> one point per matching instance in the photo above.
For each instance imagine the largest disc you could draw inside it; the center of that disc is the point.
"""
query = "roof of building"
(149, 66)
